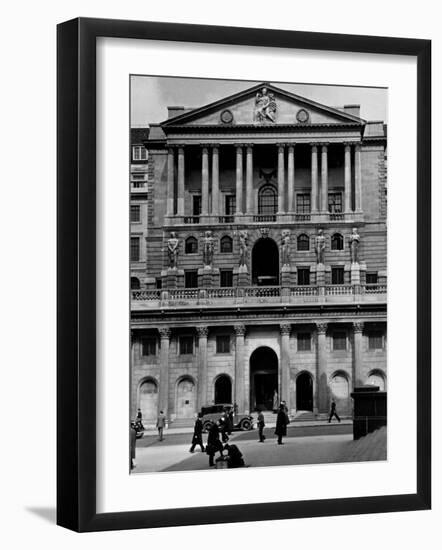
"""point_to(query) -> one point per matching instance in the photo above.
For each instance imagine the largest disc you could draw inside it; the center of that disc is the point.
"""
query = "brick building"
(258, 255)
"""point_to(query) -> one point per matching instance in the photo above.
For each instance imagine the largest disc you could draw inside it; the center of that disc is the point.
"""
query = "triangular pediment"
(262, 105)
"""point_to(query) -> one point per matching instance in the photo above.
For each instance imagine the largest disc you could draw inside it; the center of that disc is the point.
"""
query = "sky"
(150, 96)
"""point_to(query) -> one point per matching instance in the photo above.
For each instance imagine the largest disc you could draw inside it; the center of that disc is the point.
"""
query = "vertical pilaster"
(163, 401)
(240, 331)
(215, 180)
(170, 182)
(205, 182)
(249, 179)
(324, 179)
(358, 179)
(239, 174)
(285, 363)
(314, 178)
(180, 198)
(202, 366)
(358, 379)
(281, 179)
(291, 179)
(321, 371)
(347, 178)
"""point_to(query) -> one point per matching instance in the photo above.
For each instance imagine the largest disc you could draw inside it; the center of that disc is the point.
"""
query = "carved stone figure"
(172, 250)
(243, 243)
(285, 247)
(354, 245)
(320, 247)
(265, 106)
(208, 248)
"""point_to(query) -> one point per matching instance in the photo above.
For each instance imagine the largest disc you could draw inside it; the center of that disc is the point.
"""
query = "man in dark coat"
(197, 438)
(224, 427)
(261, 425)
(333, 412)
(281, 424)
(214, 444)
(132, 443)
(234, 456)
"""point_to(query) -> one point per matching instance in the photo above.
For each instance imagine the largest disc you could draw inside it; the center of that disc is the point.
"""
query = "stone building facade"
(261, 272)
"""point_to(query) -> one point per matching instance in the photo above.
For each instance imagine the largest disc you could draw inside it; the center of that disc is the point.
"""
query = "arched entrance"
(223, 389)
(185, 398)
(263, 378)
(340, 392)
(148, 399)
(304, 392)
(265, 263)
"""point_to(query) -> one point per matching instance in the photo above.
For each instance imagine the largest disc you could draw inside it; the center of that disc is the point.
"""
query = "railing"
(335, 216)
(191, 219)
(304, 290)
(375, 289)
(338, 290)
(183, 293)
(262, 291)
(265, 218)
(146, 295)
(226, 219)
(302, 217)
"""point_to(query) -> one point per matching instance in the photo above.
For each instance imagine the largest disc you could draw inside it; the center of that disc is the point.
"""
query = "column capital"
(202, 332)
(314, 145)
(347, 143)
(240, 329)
(291, 146)
(215, 146)
(205, 146)
(238, 145)
(358, 145)
(249, 146)
(358, 326)
(285, 328)
(321, 328)
(165, 333)
(324, 146)
(281, 145)
(180, 148)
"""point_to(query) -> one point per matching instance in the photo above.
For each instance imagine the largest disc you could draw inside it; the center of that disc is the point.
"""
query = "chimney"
(352, 110)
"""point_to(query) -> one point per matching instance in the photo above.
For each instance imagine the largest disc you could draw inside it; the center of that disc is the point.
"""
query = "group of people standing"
(282, 421)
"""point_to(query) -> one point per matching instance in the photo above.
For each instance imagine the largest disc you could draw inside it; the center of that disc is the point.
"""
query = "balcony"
(257, 295)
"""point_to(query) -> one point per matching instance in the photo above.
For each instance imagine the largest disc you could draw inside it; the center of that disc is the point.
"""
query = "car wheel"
(246, 425)
(207, 426)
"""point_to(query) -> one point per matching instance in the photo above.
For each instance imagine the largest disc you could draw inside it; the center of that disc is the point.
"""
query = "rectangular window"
(304, 341)
(335, 203)
(135, 211)
(196, 205)
(191, 278)
(337, 275)
(138, 176)
(139, 152)
(226, 277)
(303, 275)
(149, 346)
(303, 203)
(135, 249)
(230, 205)
(375, 340)
(339, 340)
(223, 344)
(371, 278)
(186, 345)
(159, 282)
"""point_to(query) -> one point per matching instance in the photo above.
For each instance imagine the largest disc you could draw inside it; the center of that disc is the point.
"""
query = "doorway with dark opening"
(265, 263)
(223, 390)
(304, 392)
(263, 378)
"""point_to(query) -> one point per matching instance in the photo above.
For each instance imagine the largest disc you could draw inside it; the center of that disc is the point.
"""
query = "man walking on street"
(161, 422)
(197, 438)
(333, 412)
(261, 425)
(281, 424)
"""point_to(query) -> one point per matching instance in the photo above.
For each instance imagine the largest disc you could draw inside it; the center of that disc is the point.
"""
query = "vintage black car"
(212, 413)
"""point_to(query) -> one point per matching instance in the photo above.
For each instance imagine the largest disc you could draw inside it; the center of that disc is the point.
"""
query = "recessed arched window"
(226, 244)
(337, 242)
(191, 245)
(303, 242)
(267, 200)
(134, 283)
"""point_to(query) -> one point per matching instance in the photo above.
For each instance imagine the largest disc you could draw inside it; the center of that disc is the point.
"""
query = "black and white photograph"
(258, 274)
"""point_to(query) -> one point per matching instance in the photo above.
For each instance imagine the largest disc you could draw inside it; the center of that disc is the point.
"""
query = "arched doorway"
(265, 263)
(223, 389)
(148, 399)
(263, 378)
(185, 398)
(304, 392)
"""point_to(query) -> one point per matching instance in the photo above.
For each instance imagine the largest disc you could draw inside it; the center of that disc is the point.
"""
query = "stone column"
(358, 379)
(163, 402)
(239, 171)
(358, 179)
(205, 182)
(249, 179)
(180, 201)
(285, 363)
(314, 179)
(170, 182)
(281, 179)
(202, 366)
(347, 178)
(291, 179)
(321, 371)
(239, 399)
(324, 179)
(215, 180)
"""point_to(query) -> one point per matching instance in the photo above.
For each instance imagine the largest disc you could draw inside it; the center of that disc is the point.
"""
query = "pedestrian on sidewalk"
(234, 456)
(261, 424)
(281, 424)
(132, 440)
(197, 438)
(161, 422)
(214, 444)
(333, 412)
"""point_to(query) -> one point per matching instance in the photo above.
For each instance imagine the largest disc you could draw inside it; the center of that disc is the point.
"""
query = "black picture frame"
(76, 274)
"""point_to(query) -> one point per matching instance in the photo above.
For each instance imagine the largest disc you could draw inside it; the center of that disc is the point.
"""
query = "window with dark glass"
(135, 211)
(371, 278)
(148, 346)
(134, 283)
(267, 200)
(303, 203)
(337, 242)
(191, 278)
(135, 249)
(375, 339)
(303, 242)
(304, 341)
(191, 245)
(230, 205)
(339, 340)
(196, 205)
(223, 344)
(226, 244)
(337, 275)
(335, 203)
(159, 282)
(226, 277)
(186, 345)
(303, 275)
